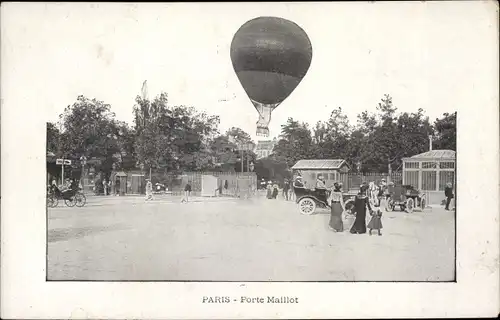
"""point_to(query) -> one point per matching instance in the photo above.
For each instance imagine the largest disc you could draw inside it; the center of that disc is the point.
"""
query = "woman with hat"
(275, 190)
(320, 182)
(269, 190)
(360, 204)
(298, 183)
(337, 207)
(381, 190)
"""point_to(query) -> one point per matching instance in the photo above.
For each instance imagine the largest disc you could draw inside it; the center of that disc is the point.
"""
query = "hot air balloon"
(270, 56)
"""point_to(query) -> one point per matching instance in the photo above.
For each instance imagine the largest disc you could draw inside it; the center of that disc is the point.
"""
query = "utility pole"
(241, 150)
(63, 162)
(389, 170)
(248, 163)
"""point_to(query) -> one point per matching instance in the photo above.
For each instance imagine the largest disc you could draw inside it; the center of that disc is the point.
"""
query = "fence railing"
(354, 180)
(232, 184)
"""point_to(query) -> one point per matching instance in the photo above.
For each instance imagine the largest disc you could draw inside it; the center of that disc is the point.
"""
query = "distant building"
(265, 148)
(430, 171)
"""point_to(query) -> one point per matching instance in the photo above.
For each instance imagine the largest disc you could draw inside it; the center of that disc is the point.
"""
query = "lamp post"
(358, 167)
(62, 162)
(83, 160)
(248, 148)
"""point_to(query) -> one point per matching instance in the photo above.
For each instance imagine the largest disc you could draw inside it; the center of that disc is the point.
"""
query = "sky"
(425, 55)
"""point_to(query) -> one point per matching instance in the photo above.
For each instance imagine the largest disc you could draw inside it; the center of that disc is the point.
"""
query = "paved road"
(241, 240)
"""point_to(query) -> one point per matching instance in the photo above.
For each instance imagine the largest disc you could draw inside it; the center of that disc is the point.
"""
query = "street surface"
(223, 239)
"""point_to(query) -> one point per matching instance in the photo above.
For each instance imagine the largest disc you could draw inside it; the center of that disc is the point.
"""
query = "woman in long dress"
(269, 190)
(373, 191)
(360, 204)
(275, 191)
(337, 206)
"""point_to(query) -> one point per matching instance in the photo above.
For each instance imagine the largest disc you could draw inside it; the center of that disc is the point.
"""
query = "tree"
(319, 132)
(381, 140)
(295, 143)
(225, 150)
(239, 136)
(174, 138)
(446, 132)
(338, 124)
(335, 138)
(89, 129)
(53, 136)
(413, 132)
(125, 139)
(224, 153)
(271, 169)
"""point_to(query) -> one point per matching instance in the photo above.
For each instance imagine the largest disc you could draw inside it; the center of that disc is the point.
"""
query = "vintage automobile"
(309, 200)
(406, 197)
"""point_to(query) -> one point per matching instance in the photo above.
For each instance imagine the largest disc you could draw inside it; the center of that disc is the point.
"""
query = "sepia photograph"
(301, 156)
(249, 160)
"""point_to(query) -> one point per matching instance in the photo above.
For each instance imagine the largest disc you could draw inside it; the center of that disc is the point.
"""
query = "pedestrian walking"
(360, 204)
(286, 189)
(448, 192)
(373, 192)
(275, 191)
(187, 193)
(149, 190)
(269, 190)
(382, 188)
(117, 186)
(337, 207)
(105, 187)
(376, 220)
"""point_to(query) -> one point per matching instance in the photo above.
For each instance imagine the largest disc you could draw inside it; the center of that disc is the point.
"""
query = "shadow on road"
(65, 234)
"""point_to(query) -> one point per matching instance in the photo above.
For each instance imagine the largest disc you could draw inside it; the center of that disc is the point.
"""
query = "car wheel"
(307, 206)
(423, 204)
(389, 205)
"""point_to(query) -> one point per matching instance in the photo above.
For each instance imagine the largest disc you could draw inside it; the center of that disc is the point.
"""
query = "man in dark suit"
(286, 188)
(448, 192)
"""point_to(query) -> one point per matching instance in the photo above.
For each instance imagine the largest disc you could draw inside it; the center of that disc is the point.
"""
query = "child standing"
(376, 220)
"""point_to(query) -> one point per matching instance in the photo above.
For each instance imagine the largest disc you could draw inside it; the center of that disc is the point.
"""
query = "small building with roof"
(429, 172)
(333, 170)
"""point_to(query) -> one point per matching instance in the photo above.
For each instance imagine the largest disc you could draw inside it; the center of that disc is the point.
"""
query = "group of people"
(369, 199)
(272, 190)
(107, 187)
(184, 199)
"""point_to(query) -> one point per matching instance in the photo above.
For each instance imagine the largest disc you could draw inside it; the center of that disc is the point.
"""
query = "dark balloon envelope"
(270, 56)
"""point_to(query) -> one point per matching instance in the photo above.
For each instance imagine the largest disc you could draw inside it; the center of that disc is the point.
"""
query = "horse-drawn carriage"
(309, 200)
(406, 197)
(71, 197)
